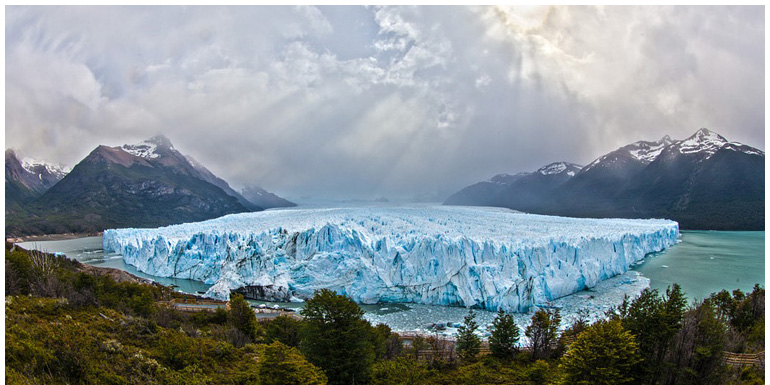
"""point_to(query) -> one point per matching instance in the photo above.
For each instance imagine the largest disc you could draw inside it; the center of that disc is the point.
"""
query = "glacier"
(489, 258)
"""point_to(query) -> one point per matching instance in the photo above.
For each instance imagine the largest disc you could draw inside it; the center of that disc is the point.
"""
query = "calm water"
(709, 261)
(89, 251)
(702, 263)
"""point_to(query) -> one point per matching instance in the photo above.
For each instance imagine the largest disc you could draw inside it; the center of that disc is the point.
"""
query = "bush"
(283, 365)
(399, 371)
(605, 353)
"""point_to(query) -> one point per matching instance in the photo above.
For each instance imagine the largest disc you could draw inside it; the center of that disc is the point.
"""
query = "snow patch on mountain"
(740, 147)
(703, 141)
(147, 149)
(559, 167)
(143, 150)
(648, 151)
(35, 166)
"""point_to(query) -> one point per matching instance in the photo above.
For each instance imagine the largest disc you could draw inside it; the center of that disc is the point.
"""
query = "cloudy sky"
(362, 102)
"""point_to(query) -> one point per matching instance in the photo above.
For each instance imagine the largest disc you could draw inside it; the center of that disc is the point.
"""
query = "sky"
(352, 102)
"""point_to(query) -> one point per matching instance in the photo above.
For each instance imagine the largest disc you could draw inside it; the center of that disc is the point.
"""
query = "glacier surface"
(479, 257)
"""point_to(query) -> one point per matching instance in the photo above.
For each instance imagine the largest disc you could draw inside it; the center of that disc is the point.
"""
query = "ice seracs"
(444, 255)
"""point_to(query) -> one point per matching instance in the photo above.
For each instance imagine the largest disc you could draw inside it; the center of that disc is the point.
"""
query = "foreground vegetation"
(65, 324)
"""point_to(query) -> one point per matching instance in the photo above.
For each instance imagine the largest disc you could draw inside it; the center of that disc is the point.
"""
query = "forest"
(68, 324)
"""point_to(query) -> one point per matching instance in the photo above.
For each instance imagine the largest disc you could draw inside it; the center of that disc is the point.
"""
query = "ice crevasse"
(443, 255)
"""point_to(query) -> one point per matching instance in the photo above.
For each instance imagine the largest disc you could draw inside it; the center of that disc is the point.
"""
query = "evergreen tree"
(542, 332)
(604, 353)
(505, 336)
(468, 343)
(748, 309)
(335, 337)
(654, 321)
(284, 329)
(283, 365)
(242, 317)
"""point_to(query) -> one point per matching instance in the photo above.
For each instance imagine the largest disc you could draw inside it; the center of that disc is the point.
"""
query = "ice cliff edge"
(443, 255)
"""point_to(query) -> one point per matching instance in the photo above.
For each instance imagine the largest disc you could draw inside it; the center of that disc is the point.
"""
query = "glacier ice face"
(445, 255)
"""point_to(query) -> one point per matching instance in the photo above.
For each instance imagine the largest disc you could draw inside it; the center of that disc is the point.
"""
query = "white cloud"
(382, 100)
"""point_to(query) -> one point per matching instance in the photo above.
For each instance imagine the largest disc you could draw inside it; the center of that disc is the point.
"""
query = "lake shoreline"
(51, 237)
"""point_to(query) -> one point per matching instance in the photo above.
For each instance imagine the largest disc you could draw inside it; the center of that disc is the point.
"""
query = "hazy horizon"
(364, 102)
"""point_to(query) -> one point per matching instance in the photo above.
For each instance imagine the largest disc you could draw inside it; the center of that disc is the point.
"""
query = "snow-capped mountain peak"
(702, 141)
(147, 149)
(558, 168)
(647, 151)
(35, 166)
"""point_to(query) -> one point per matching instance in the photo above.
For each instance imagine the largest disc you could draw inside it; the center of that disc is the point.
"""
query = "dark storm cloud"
(364, 102)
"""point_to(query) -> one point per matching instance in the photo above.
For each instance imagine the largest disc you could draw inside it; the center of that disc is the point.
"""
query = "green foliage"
(503, 343)
(699, 345)
(380, 338)
(543, 331)
(283, 365)
(750, 375)
(399, 371)
(47, 341)
(335, 337)
(654, 321)
(539, 372)
(468, 343)
(99, 331)
(604, 353)
(47, 275)
(487, 370)
(284, 329)
(748, 309)
(242, 317)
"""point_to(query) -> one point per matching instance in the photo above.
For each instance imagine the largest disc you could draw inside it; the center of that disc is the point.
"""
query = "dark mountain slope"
(263, 198)
(703, 182)
(486, 193)
(532, 192)
(25, 181)
(145, 185)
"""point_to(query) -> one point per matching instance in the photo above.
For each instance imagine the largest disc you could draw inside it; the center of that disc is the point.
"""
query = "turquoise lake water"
(708, 261)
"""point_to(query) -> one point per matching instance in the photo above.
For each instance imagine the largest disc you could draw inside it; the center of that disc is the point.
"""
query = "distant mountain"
(27, 179)
(598, 183)
(208, 176)
(263, 198)
(532, 191)
(486, 193)
(142, 185)
(703, 182)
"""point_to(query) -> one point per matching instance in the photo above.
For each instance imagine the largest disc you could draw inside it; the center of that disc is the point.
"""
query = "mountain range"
(148, 184)
(702, 182)
(27, 179)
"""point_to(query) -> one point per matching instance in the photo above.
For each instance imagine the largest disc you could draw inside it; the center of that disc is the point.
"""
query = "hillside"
(704, 182)
(144, 185)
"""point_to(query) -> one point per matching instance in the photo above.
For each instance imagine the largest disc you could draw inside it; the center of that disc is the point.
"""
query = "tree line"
(66, 325)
